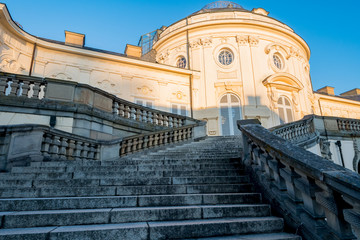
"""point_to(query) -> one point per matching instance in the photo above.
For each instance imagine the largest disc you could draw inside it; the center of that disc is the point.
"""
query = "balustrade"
(321, 198)
(142, 142)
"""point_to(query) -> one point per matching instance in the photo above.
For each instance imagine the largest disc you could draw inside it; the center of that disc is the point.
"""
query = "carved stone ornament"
(206, 41)
(196, 43)
(10, 65)
(254, 41)
(273, 97)
(242, 39)
(145, 90)
(179, 95)
(163, 57)
(356, 160)
(325, 148)
(277, 47)
(295, 101)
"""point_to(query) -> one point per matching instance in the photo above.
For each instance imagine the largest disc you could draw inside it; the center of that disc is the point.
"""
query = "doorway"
(230, 112)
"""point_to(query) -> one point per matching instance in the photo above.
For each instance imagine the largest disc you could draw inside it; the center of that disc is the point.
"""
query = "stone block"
(60, 91)
(84, 96)
(102, 102)
(25, 144)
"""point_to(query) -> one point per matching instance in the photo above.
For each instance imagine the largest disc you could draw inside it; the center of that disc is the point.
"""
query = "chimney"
(354, 92)
(74, 39)
(133, 51)
(327, 90)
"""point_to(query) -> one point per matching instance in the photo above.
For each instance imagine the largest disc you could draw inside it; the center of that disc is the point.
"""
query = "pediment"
(283, 81)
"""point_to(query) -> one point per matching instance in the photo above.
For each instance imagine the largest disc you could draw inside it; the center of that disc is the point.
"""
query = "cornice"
(234, 21)
(335, 98)
(6, 19)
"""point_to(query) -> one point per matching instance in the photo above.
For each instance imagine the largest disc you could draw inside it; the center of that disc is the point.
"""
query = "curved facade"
(219, 64)
(257, 59)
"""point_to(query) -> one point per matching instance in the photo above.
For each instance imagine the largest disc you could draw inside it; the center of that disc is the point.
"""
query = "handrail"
(319, 198)
(47, 88)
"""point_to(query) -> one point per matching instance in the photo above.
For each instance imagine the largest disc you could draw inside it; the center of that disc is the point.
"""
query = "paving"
(197, 190)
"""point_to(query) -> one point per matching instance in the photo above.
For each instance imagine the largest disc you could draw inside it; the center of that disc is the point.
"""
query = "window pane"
(234, 99)
(225, 121)
(223, 99)
(282, 115)
(289, 115)
(149, 104)
(236, 116)
(140, 102)
(287, 103)
(183, 110)
(280, 101)
(174, 109)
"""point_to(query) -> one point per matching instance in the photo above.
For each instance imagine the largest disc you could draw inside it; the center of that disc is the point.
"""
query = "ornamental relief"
(243, 40)
(205, 42)
(9, 62)
(179, 95)
(144, 90)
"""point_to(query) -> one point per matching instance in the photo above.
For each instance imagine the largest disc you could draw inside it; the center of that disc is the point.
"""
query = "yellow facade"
(217, 64)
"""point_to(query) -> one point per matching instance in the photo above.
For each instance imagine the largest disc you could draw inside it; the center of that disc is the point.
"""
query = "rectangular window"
(179, 109)
(145, 103)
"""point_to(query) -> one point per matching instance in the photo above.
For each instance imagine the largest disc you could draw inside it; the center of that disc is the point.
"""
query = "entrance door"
(230, 112)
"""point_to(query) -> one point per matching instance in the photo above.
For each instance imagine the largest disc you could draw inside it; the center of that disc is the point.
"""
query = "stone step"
(151, 230)
(124, 190)
(153, 174)
(27, 176)
(48, 218)
(185, 161)
(57, 203)
(213, 227)
(121, 182)
(263, 236)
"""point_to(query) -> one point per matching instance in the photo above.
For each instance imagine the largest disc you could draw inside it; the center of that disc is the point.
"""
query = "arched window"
(230, 112)
(285, 110)
(226, 57)
(277, 61)
(181, 62)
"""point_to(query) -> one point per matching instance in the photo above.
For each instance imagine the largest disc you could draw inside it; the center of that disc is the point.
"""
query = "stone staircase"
(194, 191)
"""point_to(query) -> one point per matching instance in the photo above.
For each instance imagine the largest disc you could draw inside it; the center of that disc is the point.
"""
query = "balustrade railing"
(298, 131)
(45, 88)
(22, 86)
(142, 142)
(351, 125)
(315, 196)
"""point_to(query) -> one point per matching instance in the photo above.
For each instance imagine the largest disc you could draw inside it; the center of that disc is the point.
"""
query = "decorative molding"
(196, 43)
(163, 57)
(179, 95)
(145, 90)
(242, 39)
(253, 41)
(277, 47)
(207, 41)
(226, 75)
(9, 64)
(325, 148)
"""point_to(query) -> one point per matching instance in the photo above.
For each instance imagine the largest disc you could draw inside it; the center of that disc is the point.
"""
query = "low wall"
(317, 198)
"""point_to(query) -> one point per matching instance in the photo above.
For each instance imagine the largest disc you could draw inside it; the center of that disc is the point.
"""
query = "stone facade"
(268, 77)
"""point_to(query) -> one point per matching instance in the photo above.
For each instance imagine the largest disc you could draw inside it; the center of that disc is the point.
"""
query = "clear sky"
(331, 28)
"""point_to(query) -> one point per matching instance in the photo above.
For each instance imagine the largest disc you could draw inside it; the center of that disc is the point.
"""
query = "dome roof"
(222, 4)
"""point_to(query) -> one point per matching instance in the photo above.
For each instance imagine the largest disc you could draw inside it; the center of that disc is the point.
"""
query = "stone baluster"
(140, 143)
(149, 117)
(85, 151)
(123, 147)
(91, 154)
(78, 150)
(70, 150)
(54, 146)
(166, 137)
(115, 108)
(151, 141)
(3, 85)
(161, 139)
(333, 206)
(144, 116)
(295, 197)
(62, 148)
(25, 88)
(45, 146)
(134, 145)
(155, 119)
(35, 90)
(176, 136)
(42, 91)
(352, 216)
(122, 110)
(138, 113)
(132, 113)
(127, 112)
(166, 121)
(13, 85)
(96, 152)
(161, 120)
(156, 139)
(128, 146)
(171, 122)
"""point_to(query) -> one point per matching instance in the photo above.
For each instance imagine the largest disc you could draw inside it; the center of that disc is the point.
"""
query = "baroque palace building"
(220, 64)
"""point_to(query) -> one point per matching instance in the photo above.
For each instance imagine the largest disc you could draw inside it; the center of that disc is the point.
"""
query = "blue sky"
(331, 28)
